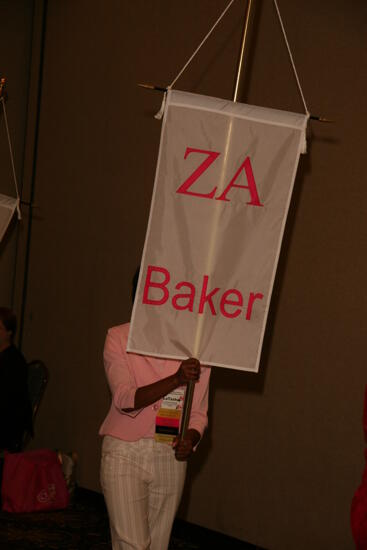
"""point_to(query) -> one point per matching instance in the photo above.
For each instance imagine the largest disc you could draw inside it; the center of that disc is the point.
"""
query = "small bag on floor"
(32, 482)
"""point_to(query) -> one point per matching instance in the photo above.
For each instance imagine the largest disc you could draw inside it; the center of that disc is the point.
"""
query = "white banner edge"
(183, 357)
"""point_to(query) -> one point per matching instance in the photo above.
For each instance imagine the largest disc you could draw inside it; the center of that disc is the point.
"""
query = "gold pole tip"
(153, 87)
(321, 119)
(148, 86)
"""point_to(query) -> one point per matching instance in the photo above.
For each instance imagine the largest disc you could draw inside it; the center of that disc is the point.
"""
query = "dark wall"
(15, 57)
(283, 453)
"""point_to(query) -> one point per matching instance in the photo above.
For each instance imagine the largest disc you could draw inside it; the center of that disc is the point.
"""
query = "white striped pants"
(142, 483)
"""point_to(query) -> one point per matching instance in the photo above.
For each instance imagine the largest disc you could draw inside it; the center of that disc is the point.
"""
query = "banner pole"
(242, 49)
(186, 410)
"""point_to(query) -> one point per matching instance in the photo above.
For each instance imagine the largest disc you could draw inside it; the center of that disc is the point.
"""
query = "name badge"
(167, 422)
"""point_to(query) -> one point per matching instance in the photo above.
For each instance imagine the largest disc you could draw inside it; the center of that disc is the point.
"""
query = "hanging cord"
(159, 115)
(201, 44)
(291, 58)
(12, 159)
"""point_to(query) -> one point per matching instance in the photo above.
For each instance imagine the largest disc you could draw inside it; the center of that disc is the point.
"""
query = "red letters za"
(211, 157)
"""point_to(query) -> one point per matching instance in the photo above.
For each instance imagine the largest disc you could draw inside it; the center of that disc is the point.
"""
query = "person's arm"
(119, 375)
(188, 371)
(127, 397)
(184, 447)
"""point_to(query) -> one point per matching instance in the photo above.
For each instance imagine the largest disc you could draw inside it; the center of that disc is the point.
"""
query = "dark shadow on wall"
(8, 247)
(224, 40)
(9, 234)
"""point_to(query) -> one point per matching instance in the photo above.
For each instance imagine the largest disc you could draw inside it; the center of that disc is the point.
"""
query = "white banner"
(7, 208)
(223, 184)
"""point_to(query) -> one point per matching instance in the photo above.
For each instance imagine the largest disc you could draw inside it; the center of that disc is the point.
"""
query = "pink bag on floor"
(32, 482)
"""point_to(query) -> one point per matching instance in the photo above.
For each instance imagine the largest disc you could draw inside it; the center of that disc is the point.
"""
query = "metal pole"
(242, 49)
(186, 411)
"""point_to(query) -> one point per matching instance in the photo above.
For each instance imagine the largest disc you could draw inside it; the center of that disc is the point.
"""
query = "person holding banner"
(143, 463)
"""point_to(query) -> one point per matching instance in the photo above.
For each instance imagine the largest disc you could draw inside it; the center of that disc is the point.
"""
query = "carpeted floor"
(84, 526)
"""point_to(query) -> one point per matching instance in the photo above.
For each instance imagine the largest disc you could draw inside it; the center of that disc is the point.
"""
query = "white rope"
(12, 159)
(291, 58)
(200, 45)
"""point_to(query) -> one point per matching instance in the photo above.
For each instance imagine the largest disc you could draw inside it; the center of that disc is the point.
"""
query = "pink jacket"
(128, 371)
